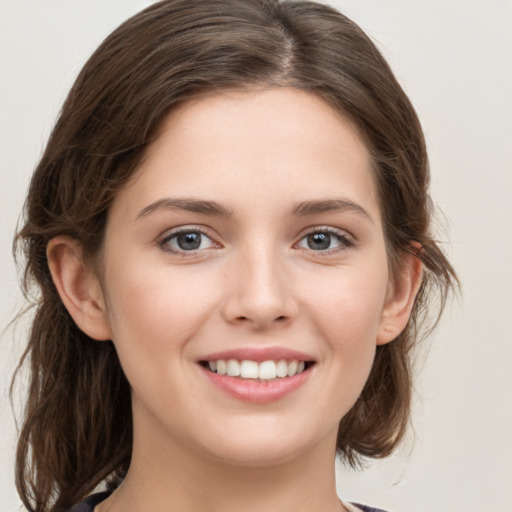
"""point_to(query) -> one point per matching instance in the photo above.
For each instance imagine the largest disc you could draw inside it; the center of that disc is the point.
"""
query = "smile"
(258, 375)
(263, 371)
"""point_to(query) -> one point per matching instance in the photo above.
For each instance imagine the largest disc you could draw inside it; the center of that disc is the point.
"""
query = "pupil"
(319, 241)
(189, 241)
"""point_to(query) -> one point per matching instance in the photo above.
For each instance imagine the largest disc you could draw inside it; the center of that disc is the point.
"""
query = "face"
(250, 241)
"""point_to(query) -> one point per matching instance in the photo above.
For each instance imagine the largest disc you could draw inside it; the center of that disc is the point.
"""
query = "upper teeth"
(253, 370)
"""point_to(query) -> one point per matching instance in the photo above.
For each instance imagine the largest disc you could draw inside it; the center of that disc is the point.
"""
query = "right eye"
(187, 240)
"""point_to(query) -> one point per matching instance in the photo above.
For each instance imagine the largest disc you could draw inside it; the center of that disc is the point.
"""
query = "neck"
(167, 478)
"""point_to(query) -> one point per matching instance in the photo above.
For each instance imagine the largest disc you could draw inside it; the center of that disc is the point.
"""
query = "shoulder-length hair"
(77, 429)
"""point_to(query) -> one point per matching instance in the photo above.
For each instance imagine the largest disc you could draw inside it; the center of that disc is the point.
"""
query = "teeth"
(282, 368)
(292, 368)
(266, 370)
(221, 367)
(249, 370)
(233, 368)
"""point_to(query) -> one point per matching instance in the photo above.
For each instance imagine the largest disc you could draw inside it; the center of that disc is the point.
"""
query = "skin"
(255, 281)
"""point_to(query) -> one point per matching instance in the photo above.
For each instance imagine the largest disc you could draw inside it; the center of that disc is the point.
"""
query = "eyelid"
(329, 229)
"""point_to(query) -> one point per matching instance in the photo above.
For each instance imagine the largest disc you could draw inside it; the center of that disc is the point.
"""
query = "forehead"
(262, 146)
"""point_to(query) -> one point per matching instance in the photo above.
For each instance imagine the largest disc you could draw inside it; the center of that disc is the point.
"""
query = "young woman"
(229, 229)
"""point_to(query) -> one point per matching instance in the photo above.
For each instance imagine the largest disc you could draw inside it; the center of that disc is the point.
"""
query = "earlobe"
(400, 299)
(78, 287)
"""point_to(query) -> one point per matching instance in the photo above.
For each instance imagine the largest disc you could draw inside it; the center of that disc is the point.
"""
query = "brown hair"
(77, 429)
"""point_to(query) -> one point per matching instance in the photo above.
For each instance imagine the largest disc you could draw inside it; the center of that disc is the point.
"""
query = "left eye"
(184, 241)
(324, 241)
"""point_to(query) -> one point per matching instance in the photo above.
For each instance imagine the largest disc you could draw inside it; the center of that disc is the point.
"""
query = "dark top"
(89, 503)
(366, 508)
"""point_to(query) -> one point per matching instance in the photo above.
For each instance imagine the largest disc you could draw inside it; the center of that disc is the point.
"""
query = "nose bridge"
(260, 293)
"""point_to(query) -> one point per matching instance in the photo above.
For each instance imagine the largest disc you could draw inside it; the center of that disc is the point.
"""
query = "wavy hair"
(77, 427)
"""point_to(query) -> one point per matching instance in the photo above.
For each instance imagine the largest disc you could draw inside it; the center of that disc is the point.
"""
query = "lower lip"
(259, 392)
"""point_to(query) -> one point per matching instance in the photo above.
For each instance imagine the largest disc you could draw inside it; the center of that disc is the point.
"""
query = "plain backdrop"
(454, 59)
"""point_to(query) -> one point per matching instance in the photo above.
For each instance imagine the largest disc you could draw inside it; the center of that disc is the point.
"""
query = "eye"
(325, 240)
(187, 240)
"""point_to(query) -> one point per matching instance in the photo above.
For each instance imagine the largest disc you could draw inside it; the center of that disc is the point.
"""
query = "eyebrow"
(205, 207)
(305, 208)
(190, 205)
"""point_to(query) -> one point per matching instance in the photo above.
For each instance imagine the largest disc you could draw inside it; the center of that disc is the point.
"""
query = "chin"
(259, 455)
(265, 447)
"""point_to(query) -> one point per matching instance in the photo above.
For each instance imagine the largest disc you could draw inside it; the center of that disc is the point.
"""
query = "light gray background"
(454, 58)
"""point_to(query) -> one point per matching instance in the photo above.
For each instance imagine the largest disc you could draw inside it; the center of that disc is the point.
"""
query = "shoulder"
(89, 503)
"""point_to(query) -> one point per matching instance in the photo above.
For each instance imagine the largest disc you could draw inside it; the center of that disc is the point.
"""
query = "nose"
(259, 291)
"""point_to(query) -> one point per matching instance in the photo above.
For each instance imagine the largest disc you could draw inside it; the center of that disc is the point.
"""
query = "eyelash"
(344, 240)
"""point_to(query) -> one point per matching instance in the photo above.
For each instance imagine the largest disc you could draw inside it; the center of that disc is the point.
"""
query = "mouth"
(259, 371)
(258, 374)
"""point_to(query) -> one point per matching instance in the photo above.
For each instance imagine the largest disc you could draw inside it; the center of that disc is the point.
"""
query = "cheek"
(348, 304)
(154, 312)
(346, 311)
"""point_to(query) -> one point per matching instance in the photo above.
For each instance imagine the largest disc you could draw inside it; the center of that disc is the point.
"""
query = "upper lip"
(258, 354)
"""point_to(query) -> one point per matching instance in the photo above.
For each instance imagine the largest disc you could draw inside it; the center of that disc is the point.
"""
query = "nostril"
(281, 318)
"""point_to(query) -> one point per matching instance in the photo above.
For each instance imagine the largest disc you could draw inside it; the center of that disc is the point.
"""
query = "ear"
(402, 291)
(78, 287)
